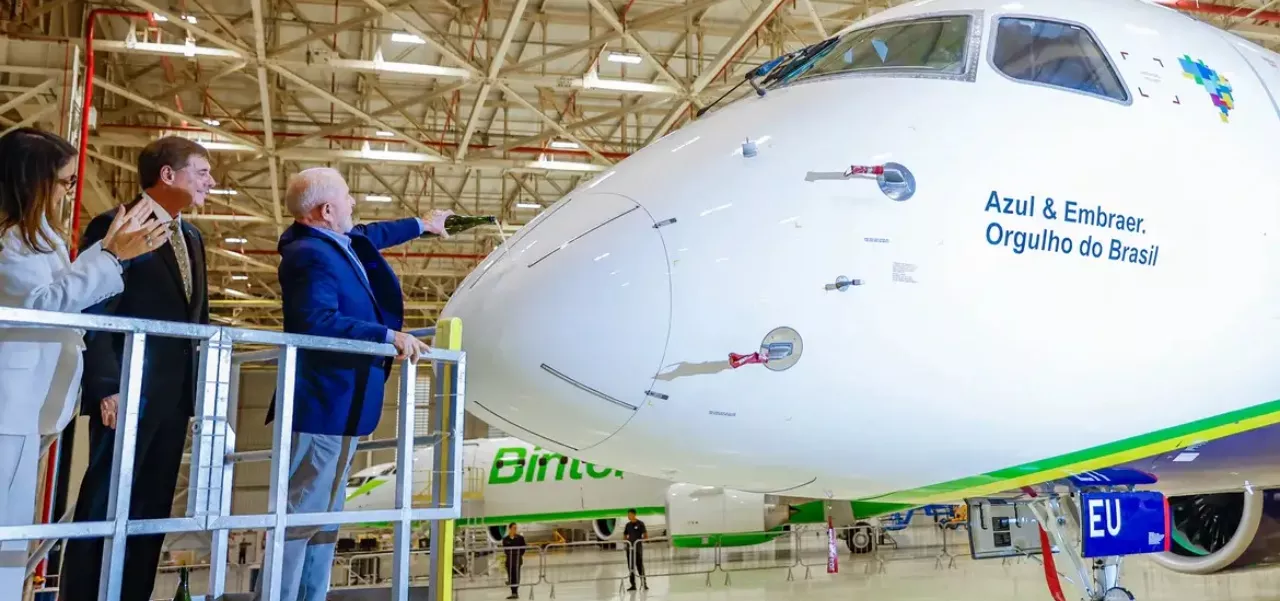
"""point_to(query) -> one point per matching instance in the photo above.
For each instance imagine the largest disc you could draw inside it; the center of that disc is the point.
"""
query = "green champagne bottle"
(184, 587)
(461, 223)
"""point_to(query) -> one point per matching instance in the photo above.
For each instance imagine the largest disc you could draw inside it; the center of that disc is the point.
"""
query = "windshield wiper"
(796, 60)
(774, 70)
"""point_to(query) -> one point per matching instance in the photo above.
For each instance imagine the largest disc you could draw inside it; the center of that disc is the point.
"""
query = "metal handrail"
(209, 504)
(10, 316)
(269, 355)
(428, 440)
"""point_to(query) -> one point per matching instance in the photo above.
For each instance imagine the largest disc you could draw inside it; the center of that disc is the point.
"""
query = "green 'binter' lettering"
(513, 464)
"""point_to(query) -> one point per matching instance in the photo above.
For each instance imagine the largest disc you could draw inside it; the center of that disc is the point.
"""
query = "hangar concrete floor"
(914, 580)
(921, 565)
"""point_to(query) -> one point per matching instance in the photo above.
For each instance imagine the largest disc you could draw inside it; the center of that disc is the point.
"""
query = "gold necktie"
(180, 253)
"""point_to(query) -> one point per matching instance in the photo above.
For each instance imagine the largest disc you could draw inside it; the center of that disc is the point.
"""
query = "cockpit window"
(1055, 54)
(928, 45)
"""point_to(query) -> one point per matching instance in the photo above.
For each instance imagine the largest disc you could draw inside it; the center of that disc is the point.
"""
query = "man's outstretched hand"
(434, 222)
(409, 347)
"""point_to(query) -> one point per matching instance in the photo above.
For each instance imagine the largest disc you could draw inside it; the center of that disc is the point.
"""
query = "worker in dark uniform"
(634, 533)
(514, 546)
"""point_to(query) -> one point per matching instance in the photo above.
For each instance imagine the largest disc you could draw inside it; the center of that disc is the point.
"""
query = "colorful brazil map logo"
(1216, 85)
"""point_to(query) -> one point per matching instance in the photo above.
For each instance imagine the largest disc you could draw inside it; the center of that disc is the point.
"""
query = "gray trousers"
(19, 456)
(318, 470)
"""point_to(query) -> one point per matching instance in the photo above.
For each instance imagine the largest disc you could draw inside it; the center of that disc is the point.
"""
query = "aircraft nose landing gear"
(1118, 594)
(1095, 522)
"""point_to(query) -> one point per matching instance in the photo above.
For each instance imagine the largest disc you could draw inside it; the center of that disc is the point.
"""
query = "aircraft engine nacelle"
(1222, 532)
(606, 529)
(495, 534)
(712, 510)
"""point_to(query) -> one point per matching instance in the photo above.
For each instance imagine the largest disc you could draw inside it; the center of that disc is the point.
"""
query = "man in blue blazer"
(335, 283)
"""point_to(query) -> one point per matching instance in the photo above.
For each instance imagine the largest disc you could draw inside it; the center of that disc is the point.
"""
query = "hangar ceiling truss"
(495, 107)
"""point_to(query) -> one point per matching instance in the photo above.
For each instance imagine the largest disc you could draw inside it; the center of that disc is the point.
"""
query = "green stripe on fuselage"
(366, 488)
(732, 539)
(1098, 457)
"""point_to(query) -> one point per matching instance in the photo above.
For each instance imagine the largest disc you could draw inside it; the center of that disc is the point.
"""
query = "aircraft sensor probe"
(876, 170)
(780, 350)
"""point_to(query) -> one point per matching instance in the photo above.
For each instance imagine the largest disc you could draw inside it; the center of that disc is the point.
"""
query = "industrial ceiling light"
(366, 152)
(384, 134)
(564, 144)
(377, 198)
(223, 192)
(239, 278)
(528, 205)
(407, 38)
(236, 240)
(623, 57)
(381, 64)
(592, 81)
(213, 122)
(209, 145)
(158, 48)
(564, 166)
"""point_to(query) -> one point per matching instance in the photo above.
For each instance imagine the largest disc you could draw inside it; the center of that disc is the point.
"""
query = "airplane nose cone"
(565, 326)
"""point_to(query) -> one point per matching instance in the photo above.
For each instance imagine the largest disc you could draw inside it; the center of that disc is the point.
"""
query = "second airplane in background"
(507, 480)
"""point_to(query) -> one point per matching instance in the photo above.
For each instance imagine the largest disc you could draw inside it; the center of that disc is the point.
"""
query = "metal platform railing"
(209, 499)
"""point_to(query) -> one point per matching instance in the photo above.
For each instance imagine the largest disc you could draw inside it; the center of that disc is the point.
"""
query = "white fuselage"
(603, 328)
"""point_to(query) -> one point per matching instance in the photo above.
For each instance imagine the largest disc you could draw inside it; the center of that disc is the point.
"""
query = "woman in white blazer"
(40, 367)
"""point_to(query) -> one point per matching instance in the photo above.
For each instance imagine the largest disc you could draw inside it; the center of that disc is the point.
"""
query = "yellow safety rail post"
(446, 419)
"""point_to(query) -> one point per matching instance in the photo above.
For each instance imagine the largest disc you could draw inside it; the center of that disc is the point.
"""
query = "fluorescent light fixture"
(239, 278)
(366, 152)
(624, 57)
(384, 134)
(223, 192)
(189, 18)
(414, 69)
(377, 198)
(407, 38)
(563, 144)
(213, 122)
(564, 166)
(380, 64)
(236, 241)
(593, 81)
(394, 155)
(528, 205)
(223, 146)
(155, 48)
(159, 17)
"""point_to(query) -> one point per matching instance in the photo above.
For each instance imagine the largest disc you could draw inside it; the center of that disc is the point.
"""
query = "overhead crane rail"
(209, 497)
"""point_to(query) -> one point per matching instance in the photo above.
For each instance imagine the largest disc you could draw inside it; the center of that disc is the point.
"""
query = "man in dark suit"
(169, 284)
(335, 283)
